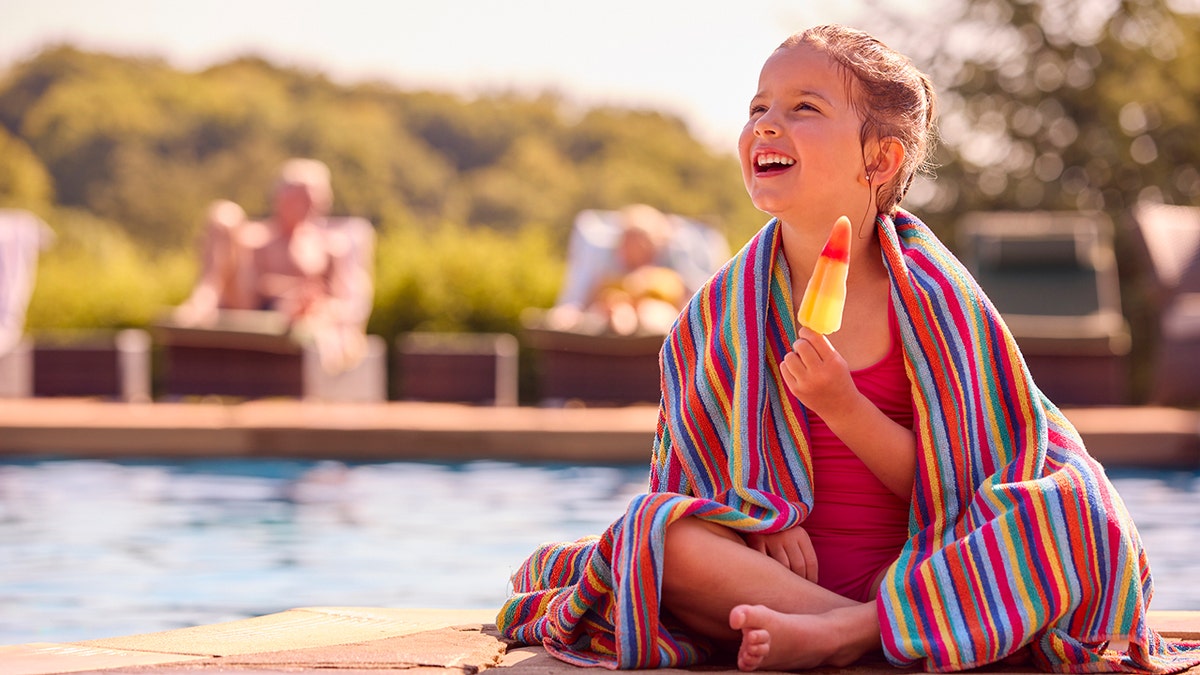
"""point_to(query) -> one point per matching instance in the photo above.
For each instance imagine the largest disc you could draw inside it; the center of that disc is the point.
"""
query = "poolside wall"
(1117, 436)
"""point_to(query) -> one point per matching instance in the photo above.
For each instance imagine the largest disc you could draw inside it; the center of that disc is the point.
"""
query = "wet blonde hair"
(894, 98)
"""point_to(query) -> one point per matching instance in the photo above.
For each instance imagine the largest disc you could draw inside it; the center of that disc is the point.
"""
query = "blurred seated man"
(296, 262)
(638, 293)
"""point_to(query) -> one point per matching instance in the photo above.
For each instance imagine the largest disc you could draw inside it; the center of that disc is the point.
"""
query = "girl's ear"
(886, 161)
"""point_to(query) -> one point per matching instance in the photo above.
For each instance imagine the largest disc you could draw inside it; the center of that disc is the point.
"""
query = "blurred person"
(22, 237)
(637, 291)
(294, 262)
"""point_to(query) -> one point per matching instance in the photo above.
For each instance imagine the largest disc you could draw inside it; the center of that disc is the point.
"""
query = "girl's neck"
(802, 243)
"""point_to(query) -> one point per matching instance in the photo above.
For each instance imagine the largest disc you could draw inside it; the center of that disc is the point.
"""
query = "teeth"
(774, 158)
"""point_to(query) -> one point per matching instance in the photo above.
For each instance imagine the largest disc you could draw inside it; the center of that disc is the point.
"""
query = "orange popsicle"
(825, 296)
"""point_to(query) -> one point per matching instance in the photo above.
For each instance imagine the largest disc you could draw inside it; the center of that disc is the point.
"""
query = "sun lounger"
(1171, 241)
(251, 353)
(478, 368)
(593, 369)
(1053, 276)
(585, 364)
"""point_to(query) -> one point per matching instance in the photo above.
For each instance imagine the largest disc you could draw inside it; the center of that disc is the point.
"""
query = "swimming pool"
(92, 548)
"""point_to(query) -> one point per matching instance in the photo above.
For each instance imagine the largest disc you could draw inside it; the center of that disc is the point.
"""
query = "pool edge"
(1131, 436)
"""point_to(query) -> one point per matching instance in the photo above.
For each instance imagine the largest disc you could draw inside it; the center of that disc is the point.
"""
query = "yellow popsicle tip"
(825, 296)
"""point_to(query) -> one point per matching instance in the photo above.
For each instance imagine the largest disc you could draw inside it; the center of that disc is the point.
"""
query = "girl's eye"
(757, 109)
(804, 106)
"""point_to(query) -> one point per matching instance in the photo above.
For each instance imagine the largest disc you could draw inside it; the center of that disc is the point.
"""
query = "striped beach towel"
(1016, 536)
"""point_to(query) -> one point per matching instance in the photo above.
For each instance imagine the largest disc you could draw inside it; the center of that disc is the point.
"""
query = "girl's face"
(800, 150)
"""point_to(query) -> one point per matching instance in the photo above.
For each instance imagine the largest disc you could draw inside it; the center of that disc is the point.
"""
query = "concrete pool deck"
(356, 640)
(349, 640)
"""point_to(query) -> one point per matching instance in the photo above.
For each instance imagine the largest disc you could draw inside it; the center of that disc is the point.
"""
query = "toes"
(737, 617)
(756, 641)
(756, 645)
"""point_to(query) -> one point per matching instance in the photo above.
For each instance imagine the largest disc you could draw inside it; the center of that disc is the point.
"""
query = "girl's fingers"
(792, 364)
(784, 557)
(819, 344)
(810, 558)
(796, 563)
(806, 352)
(757, 542)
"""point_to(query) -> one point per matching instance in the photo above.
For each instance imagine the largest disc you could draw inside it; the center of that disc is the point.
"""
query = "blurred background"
(470, 134)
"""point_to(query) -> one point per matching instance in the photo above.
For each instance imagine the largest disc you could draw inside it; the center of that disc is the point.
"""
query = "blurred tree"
(1090, 105)
(146, 146)
(24, 182)
(379, 170)
(476, 133)
(531, 183)
(96, 277)
(1060, 104)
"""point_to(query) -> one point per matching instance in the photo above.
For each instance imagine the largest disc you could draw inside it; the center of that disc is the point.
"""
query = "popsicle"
(825, 296)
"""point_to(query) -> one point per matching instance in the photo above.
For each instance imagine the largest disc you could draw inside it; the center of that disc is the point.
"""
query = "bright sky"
(695, 58)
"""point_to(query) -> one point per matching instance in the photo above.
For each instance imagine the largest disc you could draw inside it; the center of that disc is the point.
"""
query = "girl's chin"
(774, 207)
(773, 198)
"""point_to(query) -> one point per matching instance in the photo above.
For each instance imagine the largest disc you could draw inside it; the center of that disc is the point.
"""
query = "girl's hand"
(817, 375)
(791, 548)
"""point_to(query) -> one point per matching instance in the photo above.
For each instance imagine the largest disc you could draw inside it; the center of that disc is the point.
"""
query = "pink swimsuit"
(857, 524)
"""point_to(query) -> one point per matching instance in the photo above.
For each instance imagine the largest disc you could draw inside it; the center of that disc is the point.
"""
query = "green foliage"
(24, 182)
(146, 146)
(1063, 105)
(94, 277)
(459, 278)
(1052, 105)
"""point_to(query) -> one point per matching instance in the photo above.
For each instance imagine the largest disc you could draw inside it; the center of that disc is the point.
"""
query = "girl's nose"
(765, 126)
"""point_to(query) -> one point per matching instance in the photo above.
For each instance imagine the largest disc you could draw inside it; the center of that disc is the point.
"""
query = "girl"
(899, 485)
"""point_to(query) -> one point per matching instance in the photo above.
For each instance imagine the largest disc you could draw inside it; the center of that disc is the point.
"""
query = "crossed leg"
(722, 589)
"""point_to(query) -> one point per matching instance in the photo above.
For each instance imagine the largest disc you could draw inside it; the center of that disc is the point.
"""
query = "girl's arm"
(818, 376)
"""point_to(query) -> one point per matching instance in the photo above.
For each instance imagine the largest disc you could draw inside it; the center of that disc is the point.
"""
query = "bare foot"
(755, 647)
(773, 640)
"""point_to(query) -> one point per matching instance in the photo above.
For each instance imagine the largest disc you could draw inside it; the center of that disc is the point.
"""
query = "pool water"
(92, 549)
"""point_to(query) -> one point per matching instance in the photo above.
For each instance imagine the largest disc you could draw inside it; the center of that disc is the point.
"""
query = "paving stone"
(293, 629)
(432, 642)
(468, 650)
(40, 658)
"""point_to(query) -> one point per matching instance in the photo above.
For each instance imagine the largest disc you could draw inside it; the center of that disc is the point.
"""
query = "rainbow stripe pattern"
(1016, 536)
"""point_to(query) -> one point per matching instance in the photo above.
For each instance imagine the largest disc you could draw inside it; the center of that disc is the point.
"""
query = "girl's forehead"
(804, 69)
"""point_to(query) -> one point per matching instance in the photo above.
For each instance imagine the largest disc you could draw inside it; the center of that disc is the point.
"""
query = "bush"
(462, 279)
(93, 276)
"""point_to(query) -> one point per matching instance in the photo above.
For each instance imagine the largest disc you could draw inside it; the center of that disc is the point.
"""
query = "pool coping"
(363, 640)
(1134, 436)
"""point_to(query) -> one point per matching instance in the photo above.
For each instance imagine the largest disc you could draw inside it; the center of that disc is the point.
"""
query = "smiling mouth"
(772, 163)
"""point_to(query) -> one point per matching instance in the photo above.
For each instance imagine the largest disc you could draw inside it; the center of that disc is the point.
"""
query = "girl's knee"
(690, 531)
(688, 542)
